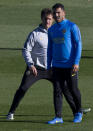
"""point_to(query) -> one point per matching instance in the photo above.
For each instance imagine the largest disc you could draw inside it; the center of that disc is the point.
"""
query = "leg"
(57, 93)
(67, 94)
(58, 84)
(17, 98)
(69, 98)
(72, 82)
(70, 101)
(57, 99)
(27, 81)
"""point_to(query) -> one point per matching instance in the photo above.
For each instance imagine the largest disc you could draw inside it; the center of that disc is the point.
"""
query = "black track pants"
(60, 76)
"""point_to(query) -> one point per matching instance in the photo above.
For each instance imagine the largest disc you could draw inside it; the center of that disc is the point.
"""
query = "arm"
(49, 52)
(26, 52)
(78, 46)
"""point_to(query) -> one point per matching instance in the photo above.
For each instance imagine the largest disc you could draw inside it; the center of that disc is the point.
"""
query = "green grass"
(17, 19)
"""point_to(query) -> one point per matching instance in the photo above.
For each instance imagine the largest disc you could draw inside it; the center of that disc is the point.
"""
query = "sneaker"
(78, 117)
(86, 110)
(56, 120)
(10, 116)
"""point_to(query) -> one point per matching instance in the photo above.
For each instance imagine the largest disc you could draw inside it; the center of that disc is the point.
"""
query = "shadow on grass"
(3, 118)
(11, 49)
(28, 121)
(27, 115)
(20, 49)
(87, 57)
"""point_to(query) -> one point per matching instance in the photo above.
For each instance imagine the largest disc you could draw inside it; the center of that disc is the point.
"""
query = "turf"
(17, 19)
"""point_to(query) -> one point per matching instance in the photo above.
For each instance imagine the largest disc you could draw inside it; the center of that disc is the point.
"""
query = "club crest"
(64, 31)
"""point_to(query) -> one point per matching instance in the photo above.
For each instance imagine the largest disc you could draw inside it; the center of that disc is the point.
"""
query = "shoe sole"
(9, 118)
(56, 123)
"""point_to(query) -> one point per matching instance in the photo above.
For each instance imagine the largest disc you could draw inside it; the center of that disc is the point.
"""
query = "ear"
(53, 19)
(64, 13)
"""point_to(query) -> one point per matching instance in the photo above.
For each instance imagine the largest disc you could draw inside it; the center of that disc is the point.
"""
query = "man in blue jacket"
(64, 53)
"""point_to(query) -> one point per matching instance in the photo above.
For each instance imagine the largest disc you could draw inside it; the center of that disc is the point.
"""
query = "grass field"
(17, 19)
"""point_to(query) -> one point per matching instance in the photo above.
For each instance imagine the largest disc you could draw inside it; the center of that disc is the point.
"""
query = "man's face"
(59, 14)
(47, 21)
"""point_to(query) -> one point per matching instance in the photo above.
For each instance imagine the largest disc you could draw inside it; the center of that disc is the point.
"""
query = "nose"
(56, 14)
(47, 21)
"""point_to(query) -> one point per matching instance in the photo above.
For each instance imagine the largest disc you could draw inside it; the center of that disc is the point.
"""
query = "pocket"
(74, 74)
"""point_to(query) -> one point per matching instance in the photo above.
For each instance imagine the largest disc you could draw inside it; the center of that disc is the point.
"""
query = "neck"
(61, 20)
(44, 26)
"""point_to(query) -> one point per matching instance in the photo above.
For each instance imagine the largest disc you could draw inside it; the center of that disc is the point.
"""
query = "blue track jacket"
(64, 45)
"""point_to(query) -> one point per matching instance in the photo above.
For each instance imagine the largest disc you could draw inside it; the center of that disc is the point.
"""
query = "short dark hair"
(45, 12)
(58, 5)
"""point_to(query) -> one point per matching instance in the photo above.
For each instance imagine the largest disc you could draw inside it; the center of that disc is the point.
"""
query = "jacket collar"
(42, 28)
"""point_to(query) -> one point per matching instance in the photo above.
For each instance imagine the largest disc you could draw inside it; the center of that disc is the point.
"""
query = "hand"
(75, 68)
(33, 69)
(49, 71)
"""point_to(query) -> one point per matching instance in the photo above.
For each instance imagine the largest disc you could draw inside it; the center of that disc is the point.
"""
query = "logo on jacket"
(41, 38)
(64, 31)
(59, 40)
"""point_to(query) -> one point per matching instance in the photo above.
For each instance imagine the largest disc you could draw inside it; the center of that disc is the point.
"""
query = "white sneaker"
(10, 116)
(86, 110)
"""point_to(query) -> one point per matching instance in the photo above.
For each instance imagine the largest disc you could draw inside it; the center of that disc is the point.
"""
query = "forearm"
(27, 57)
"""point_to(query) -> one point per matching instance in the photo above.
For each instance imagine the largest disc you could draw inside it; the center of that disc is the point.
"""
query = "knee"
(21, 91)
(57, 91)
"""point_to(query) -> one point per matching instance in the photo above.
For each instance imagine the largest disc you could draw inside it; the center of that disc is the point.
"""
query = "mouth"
(57, 18)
